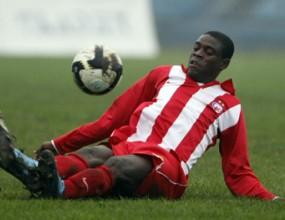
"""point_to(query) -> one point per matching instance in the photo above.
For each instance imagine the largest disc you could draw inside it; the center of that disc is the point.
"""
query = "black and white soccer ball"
(97, 70)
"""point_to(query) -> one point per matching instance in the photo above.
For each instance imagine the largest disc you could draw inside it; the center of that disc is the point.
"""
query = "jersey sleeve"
(118, 114)
(238, 174)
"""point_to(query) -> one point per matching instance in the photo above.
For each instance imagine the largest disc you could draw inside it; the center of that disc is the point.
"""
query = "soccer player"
(157, 130)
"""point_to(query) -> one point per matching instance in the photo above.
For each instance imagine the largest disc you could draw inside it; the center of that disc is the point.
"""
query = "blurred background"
(139, 28)
(253, 24)
(136, 28)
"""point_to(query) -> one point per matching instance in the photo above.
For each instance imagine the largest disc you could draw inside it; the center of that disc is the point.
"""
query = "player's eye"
(210, 51)
(196, 47)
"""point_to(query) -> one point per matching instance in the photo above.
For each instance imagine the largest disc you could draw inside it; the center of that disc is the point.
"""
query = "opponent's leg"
(15, 162)
(86, 157)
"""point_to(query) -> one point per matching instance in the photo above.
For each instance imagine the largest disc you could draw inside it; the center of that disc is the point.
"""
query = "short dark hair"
(226, 41)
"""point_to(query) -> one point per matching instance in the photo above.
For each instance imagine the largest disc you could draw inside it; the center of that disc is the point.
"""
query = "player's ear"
(225, 63)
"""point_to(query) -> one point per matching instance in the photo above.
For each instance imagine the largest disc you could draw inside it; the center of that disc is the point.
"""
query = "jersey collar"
(227, 85)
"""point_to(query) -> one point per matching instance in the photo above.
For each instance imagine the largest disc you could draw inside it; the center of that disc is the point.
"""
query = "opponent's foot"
(53, 185)
(13, 165)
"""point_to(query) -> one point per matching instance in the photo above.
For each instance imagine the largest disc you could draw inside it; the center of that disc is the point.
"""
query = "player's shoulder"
(229, 96)
(230, 100)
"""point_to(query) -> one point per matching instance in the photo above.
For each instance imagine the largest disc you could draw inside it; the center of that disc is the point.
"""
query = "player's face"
(206, 62)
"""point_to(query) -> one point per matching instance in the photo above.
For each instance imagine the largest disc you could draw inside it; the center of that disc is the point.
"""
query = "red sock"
(69, 165)
(89, 182)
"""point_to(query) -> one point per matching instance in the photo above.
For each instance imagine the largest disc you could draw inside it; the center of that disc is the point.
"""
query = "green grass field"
(40, 101)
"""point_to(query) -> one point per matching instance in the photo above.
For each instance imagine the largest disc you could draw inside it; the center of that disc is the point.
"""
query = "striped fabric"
(185, 120)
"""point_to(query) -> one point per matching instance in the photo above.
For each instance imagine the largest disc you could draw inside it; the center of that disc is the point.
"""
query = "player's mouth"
(193, 64)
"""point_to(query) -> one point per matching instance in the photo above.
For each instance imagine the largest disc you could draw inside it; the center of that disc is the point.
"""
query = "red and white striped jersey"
(169, 109)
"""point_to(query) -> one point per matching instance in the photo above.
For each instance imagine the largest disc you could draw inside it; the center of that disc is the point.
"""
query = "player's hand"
(45, 146)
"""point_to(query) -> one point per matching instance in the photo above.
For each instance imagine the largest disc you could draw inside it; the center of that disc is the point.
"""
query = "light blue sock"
(61, 186)
(28, 161)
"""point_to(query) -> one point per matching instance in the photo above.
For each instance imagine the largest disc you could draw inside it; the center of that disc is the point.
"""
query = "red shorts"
(166, 178)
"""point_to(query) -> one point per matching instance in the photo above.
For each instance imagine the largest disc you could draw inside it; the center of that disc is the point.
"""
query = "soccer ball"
(97, 70)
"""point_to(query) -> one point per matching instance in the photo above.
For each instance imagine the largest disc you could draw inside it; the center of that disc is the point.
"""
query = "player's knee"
(128, 172)
(129, 168)
(94, 155)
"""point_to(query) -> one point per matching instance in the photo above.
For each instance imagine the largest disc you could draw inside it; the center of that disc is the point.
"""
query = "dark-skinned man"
(156, 131)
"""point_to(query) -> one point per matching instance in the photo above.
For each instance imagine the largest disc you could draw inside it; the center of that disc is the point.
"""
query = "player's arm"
(238, 175)
(117, 114)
